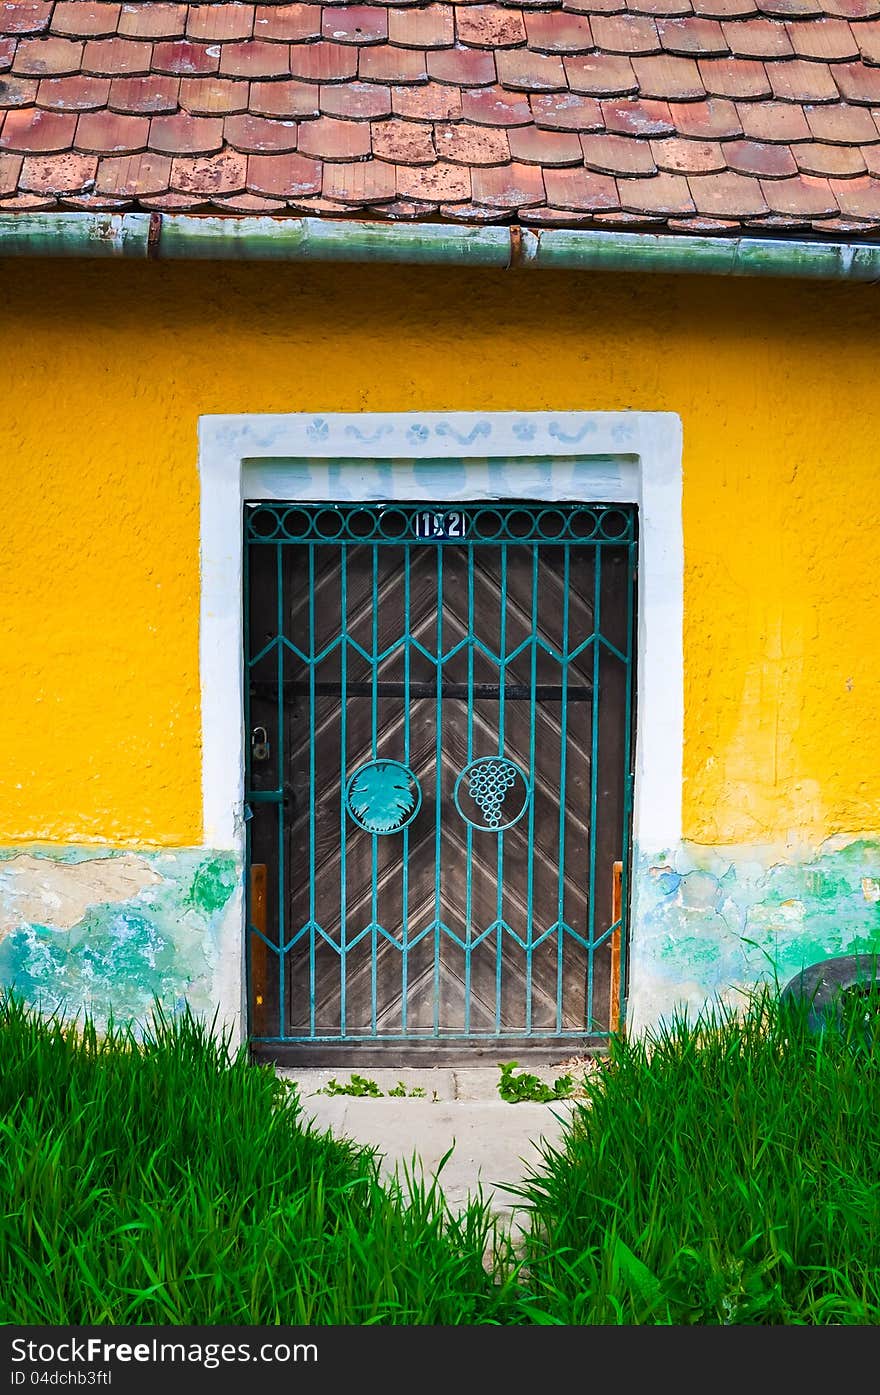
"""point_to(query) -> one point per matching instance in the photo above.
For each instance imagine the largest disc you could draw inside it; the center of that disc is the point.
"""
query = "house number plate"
(438, 526)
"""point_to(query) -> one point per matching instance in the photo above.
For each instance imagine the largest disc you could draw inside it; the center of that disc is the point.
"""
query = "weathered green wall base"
(102, 931)
(710, 922)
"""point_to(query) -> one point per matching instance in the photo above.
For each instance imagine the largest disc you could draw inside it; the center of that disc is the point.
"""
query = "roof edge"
(173, 237)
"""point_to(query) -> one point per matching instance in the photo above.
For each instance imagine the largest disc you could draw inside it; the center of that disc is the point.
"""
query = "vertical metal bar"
(282, 917)
(312, 830)
(469, 832)
(438, 757)
(563, 755)
(530, 873)
(404, 953)
(374, 728)
(343, 754)
(248, 839)
(594, 776)
(499, 869)
(632, 571)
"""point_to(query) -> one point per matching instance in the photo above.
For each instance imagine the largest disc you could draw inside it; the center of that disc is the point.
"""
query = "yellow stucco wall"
(106, 369)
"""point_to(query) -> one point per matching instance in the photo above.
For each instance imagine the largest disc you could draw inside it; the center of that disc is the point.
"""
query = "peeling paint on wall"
(111, 933)
(713, 921)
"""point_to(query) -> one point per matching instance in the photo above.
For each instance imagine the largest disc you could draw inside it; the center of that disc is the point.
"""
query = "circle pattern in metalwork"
(516, 521)
(383, 796)
(492, 794)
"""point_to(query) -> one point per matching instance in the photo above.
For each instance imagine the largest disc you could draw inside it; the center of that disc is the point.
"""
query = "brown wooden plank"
(259, 952)
(616, 913)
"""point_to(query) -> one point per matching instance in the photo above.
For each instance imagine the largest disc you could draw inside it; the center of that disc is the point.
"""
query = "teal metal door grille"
(439, 706)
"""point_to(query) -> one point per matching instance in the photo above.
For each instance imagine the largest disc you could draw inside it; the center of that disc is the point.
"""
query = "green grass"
(726, 1173)
(723, 1172)
(168, 1182)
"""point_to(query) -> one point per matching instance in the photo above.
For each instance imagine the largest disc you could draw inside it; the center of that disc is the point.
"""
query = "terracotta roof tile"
(285, 176)
(133, 176)
(75, 18)
(288, 23)
(30, 130)
(431, 26)
(26, 16)
(743, 79)
(726, 195)
(626, 33)
(529, 145)
(508, 186)
(584, 190)
(224, 173)
(554, 33)
(330, 139)
(668, 78)
(857, 83)
(431, 102)
(773, 121)
(219, 23)
(678, 156)
(387, 63)
(361, 100)
(523, 70)
(601, 75)
(354, 24)
(463, 67)
(660, 193)
(10, 169)
(56, 174)
(489, 26)
(151, 95)
(152, 21)
(492, 106)
(840, 124)
(826, 39)
(407, 142)
(804, 195)
(110, 133)
(635, 117)
(74, 93)
(282, 99)
(857, 198)
(801, 80)
(435, 183)
(754, 158)
(608, 154)
(567, 112)
(759, 38)
(255, 58)
(361, 182)
(23, 91)
(688, 36)
(186, 135)
(698, 114)
(466, 144)
(210, 96)
(259, 135)
(249, 203)
(114, 57)
(830, 161)
(185, 58)
(45, 56)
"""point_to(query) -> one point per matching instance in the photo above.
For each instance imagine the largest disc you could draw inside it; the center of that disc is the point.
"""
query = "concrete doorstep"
(494, 1144)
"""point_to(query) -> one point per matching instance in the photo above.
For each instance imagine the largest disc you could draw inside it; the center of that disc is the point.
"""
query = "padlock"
(259, 744)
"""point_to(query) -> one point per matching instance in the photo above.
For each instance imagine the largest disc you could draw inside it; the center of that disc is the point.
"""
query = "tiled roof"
(698, 115)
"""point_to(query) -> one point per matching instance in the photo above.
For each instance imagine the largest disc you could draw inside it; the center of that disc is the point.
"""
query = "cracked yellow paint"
(106, 369)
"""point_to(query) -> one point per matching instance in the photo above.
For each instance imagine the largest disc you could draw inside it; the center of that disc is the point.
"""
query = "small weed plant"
(361, 1086)
(525, 1086)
